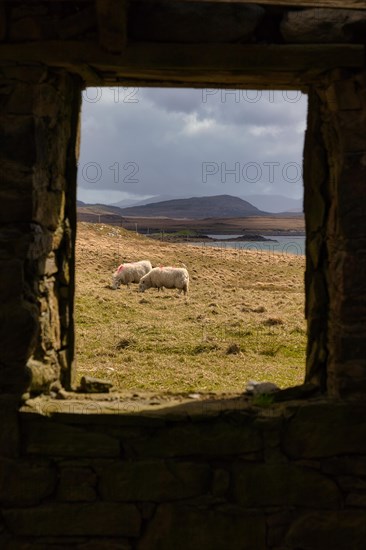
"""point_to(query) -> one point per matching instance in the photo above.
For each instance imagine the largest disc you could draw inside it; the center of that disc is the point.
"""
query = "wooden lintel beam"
(112, 24)
(187, 62)
(272, 81)
(288, 57)
(335, 4)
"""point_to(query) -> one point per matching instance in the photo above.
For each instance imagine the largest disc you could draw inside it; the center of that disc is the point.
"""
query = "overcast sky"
(142, 142)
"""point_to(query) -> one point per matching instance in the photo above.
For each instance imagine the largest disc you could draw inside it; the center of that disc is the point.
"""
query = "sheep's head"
(142, 286)
(115, 281)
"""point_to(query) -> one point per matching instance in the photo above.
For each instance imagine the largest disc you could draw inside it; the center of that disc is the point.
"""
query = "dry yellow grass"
(243, 318)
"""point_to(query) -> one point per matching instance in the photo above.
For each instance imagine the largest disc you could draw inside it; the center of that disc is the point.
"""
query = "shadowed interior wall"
(290, 476)
(335, 198)
(93, 475)
(315, 172)
(38, 127)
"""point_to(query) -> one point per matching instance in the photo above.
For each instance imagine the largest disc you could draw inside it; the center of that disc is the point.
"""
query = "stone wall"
(167, 22)
(316, 200)
(335, 198)
(345, 135)
(211, 475)
(38, 129)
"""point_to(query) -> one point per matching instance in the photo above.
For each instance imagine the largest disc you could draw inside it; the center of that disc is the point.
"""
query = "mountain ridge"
(273, 203)
(220, 214)
(223, 206)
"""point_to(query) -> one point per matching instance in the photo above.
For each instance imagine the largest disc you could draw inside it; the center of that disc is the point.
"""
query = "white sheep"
(130, 273)
(167, 277)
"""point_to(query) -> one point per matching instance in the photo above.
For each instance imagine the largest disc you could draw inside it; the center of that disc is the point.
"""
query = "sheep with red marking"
(167, 277)
(130, 273)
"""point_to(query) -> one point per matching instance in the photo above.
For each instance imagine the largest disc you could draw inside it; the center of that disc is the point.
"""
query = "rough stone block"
(347, 465)
(25, 482)
(321, 25)
(335, 530)
(356, 500)
(344, 95)
(352, 130)
(262, 485)
(94, 519)
(51, 265)
(14, 321)
(40, 243)
(14, 378)
(347, 279)
(43, 374)
(207, 439)
(19, 99)
(77, 484)
(15, 206)
(326, 430)
(16, 177)
(347, 352)
(9, 425)
(351, 483)
(89, 384)
(153, 481)
(220, 482)
(47, 102)
(167, 24)
(181, 527)
(277, 526)
(50, 322)
(346, 379)
(26, 28)
(147, 509)
(11, 280)
(44, 437)
(17, 136)
(49, 208)
(352, 196)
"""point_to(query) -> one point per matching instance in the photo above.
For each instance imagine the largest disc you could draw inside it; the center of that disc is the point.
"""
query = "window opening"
(237, 156)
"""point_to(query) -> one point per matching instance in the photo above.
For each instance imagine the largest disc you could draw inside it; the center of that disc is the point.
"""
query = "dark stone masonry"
(88, 473)
(224, 474)
(40, 110)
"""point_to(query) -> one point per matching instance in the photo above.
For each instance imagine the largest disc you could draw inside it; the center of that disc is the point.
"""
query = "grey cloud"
(177, 100)
(162, 144)
(232, 106)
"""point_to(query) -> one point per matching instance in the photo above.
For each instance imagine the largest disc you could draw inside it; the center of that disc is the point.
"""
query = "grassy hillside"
(272, 224)
(243, 318)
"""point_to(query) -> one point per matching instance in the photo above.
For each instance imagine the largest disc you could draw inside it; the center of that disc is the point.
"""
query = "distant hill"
(220, 214)
(275, 203)
(218, 206)
(126, 203)
(266, 203)
(98, 209)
